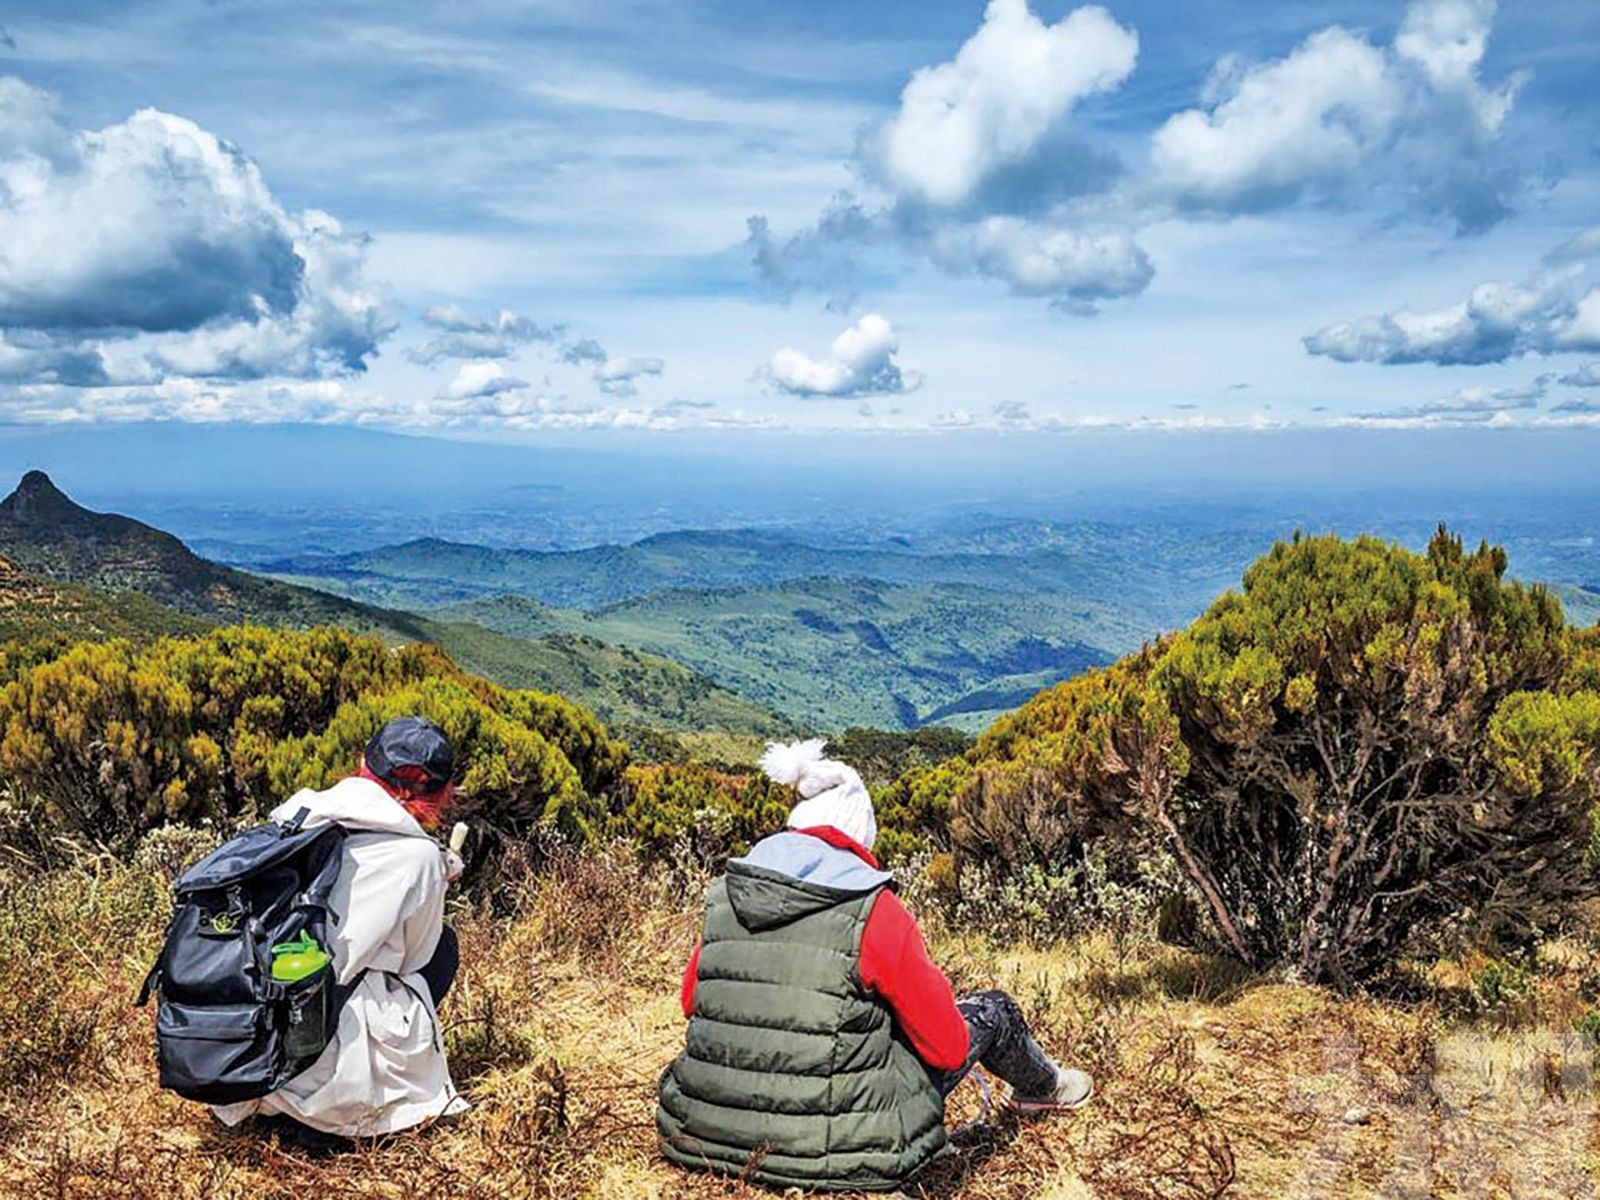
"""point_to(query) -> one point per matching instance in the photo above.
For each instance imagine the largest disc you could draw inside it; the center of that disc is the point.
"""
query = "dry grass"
(566, 1010)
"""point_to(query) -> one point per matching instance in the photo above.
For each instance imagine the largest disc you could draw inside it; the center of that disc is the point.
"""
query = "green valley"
(836, 652)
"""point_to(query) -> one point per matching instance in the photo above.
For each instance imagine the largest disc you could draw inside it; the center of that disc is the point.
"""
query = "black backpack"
(225, 1029)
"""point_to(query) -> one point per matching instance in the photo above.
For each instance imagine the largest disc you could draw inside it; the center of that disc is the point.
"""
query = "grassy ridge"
(58, 540)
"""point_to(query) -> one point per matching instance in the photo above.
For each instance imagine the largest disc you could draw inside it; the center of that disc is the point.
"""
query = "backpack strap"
(292, 826)
(149, 984)
(342, 993)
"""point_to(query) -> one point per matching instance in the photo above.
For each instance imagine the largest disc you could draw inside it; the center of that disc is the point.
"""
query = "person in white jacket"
(385, 1069)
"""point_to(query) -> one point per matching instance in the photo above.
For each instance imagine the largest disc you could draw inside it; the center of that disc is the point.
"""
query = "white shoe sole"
(1029, 1107)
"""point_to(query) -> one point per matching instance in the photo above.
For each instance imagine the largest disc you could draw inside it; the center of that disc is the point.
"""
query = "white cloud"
(617, 376)
(28, 356)
(613, 375)
(980, 164)
(1037, 260)
(464, 335)
(476, 380)
(983, 170)
(1339, 117)
(156, 250)
(1466, 406)
(312, 401)
(1011, 84)
(861, 363)
(1551, 313)
(584, 350)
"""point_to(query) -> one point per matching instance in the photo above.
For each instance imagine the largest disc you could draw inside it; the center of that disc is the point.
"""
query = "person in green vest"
(822, 1039)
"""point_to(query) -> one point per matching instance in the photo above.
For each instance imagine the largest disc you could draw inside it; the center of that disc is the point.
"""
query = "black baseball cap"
(411, 742)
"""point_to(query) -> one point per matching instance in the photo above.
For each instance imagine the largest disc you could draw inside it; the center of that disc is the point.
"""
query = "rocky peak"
(37, 500)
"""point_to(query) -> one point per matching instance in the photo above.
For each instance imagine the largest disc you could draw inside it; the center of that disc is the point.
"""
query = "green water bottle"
(298, 959)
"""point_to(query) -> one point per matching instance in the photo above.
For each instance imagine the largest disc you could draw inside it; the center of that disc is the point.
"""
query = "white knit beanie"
(831, 793)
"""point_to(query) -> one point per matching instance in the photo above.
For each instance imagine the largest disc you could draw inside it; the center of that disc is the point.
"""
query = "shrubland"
(1308, 885)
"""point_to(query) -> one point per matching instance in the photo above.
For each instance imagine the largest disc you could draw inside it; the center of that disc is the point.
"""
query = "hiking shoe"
(1072, 1090)
(313, 1143)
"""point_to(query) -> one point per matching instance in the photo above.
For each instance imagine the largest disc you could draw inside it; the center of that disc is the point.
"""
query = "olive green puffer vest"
(793, 1072)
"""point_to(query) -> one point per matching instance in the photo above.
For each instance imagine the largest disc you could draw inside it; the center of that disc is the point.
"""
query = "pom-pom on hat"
(831, 792)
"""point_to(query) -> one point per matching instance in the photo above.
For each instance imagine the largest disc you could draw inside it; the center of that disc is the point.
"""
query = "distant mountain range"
(71, 571)
(892, 634)
(635, 632)
(743, 631)
(1179, 575)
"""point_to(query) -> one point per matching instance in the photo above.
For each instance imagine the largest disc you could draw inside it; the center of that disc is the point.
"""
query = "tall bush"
(1363, 750)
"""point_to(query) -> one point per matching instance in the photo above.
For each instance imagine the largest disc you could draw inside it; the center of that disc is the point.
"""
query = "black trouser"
(999, 1039)
(440, 972)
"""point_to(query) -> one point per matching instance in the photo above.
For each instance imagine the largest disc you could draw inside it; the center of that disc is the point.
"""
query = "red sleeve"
(691, 975)
(895, 965)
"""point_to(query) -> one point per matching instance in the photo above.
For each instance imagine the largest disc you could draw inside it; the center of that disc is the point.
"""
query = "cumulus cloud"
(860, 363)
(475, 380)
(1076, 268)
(979, 165)
(1013, 82)
(464, 335)
(821, 258)
(617, 376)
(28, 356)
(1586, 376)
(986, 168)
(484, 341)
(1554, 312)
(156, 249)
(1340, 116)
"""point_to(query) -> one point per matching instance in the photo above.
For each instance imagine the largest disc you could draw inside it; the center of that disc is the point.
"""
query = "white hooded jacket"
(385, 1068)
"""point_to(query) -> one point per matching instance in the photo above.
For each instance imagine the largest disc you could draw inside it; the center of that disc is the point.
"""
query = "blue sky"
(502, 219)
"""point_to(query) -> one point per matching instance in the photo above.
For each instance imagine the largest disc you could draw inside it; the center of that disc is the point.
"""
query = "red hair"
(407, 789)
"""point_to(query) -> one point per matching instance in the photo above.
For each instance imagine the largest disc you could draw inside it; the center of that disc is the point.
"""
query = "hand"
(453, 866)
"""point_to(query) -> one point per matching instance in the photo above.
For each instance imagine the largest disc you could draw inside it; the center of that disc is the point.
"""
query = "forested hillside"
(101, 575)
(50, 536)
(837, 652)
(35, 608)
